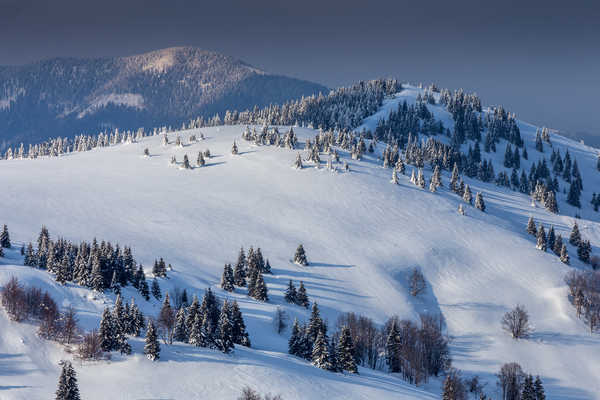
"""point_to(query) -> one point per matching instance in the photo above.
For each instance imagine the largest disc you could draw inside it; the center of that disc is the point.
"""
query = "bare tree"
(91, 346)
(280, 320)
(516, 322)
(510, 380)
(13, 299)
(69, 325)
(416, 282)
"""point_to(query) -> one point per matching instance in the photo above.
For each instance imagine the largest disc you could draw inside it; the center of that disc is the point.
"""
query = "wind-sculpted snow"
(362, 236)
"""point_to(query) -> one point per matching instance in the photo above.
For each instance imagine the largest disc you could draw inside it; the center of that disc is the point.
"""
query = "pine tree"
(156, 289)
(186, 162)
(29, 259)
(573, 198)
(550, 202)
(152, 347)
(315, 324)
(267, 267)
(239, 274)
(528, 391)
(295, 342)
(225, 341)
(541, 239)
(584, 251)
(301, 296)
(239, 334)
(320, 353)
(192, 310)
(107, 332)
(421, 179)
(298, 162)
(234, 149)
(467, 196)
(200, 161)
(300, 256)
(539, 389)
(290, 293)
(260, 289)
(196, 337)
(454, 178)
(67, 383)
(558, 243)
(227, 280)
(531, 229)
(392, 348)
(97, 280)
(346, 352)
(144, 290)
(564, 255)
(394, 177)
(5, 237)
(179, 332)
(575, 237)
(551, 238)
(479, 203)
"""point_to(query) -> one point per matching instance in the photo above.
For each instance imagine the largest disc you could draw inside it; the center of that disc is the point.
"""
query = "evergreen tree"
(196, 336)
(394, 177)
(298, 162)
(420, 179)
(260, 289)
(550, 202)
(107, 332)
(267, 267)
(551, 238)
(179, 332)
(97, 280)
(320, 353)
(467, 196)
(301, 296)
(539, 389)
(584, 251)
(531, 229)
(300, 256)
(200, 161)
(227, 279)
(564, 255)
(186, 162)
(156, 289)
(346, 352)
(454, 178)
(192, 310)
(239, 334)
(392, 348)
(152, 347)
(290, 293)
(234, 149)
(295, 342)
(67, 383)
(541, 239)
(333, 356)
(528, 391)
(558, 243)
(144, 290)
(575, 237)
(5, 237)
(315, 324)
(225, 341)
(239, 273)
(29, 259)
(479, 203)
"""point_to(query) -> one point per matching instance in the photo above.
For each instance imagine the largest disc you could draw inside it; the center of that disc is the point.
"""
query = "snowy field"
(362, 236)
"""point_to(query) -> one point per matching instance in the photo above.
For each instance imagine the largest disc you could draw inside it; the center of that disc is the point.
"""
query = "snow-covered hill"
(361, 233)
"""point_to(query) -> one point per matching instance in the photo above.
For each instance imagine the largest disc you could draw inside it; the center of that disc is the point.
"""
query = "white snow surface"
(362, 236)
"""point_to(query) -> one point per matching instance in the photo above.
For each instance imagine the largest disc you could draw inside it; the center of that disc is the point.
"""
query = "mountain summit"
(66, 96)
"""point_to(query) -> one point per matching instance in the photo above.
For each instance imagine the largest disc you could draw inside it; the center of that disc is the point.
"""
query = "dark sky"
(541, 59)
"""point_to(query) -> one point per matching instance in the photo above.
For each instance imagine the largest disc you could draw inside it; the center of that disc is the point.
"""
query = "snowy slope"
(362, 234)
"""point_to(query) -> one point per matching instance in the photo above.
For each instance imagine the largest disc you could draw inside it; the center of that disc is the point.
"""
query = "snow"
(133, 100)
(362, 236)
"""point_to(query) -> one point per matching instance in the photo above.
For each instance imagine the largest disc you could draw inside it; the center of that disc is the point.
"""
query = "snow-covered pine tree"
(584, 251)
(320, 353)
(267, 267)
(467, 196)
(260, 289)
(151, 347)
(531, 229)
(454, 178)
(573, 198)
(479, 203)
(225, 340)
(392, 349)
(345, 352)
(539, 389)
(301, 296)
(68, 388)
(298, 162)
(315, 324)
(5, 237)
(421, 179)
(300, 256)
(575, 237)
(234, 149)
(227, 280)
(29, 259)
(413, 178)
(461, 209)
(290, 293)
(107, 332)
(564, 255)
(550, 202)
(239, 273)
(200, 161)
(196, 337)
(541, 239)
(186, 162)
(156, 289)
(146, 152)
(97, 280)
(558, 243)
(239, 334)
(394, 177)
(528, 391)
(173, 160)
(551, 238)
(166, 319)
(295, 342)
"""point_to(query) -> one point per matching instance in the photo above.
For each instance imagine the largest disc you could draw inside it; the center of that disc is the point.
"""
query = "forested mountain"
(67, 96)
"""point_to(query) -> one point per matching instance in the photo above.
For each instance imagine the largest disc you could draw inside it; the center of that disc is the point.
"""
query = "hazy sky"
(541, 59)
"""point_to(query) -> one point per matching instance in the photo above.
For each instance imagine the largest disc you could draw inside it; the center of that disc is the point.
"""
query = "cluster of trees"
(517, 385)
(206, 324)
(311, 342)
(550, 241)
(296, 296)
(584, 294)
(97, 266)
(31, 303)
(250, 394)
(248, 271)
(584, 247)
(271, 137)
(115, 325)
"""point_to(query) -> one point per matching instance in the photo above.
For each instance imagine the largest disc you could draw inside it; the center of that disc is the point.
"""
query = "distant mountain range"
(67, 96)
